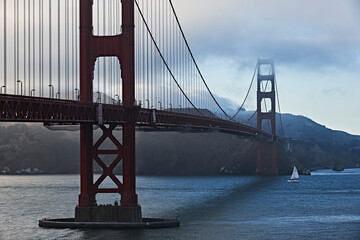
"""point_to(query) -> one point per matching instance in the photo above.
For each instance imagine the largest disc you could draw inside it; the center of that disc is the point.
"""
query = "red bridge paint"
(122, 47)
(87, 113)
(266, 157)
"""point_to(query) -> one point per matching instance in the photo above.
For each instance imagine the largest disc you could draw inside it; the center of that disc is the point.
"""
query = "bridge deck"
(15, 108)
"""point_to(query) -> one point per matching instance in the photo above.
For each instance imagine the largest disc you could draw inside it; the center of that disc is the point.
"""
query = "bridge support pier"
(266, 158)
(266, 151)
(87, 209)
(122, 47)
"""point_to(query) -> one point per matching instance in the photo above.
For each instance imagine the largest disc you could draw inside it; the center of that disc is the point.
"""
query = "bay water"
(325, 205)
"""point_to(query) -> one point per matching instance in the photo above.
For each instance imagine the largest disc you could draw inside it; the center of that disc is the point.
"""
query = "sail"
(295, 174)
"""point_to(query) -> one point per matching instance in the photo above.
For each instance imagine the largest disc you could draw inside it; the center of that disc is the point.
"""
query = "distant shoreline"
(158, 175)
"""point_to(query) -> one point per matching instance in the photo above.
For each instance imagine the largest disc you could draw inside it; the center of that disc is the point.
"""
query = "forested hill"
(175, 153)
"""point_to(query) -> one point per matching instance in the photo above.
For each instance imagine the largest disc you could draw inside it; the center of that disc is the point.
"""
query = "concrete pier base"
(113, 217)
(145, 223)
(267, 172)
(108, 214)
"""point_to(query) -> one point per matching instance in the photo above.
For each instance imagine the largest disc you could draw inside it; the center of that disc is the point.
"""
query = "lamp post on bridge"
(51, 90)
(118, 99)
(77, 94)
(160, 105)
(99, 97)
(21, 87)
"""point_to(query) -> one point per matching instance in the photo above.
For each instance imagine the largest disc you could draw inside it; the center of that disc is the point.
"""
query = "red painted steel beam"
(87, 63)
(33, 109)
(266, 152)
(104, 46)
(129, 197)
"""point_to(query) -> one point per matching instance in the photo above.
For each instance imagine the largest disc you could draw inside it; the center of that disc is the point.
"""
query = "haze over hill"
(181, 153)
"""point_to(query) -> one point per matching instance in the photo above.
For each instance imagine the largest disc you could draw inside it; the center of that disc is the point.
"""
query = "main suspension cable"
(196, 65)
(247, 94)
(162, 57)
(278, 101)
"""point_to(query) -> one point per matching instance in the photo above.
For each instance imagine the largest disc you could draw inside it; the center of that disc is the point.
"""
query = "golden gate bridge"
(115, 63)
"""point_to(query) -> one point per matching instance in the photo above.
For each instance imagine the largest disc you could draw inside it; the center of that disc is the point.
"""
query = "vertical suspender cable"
(116, 65)
(17, 43)
(143, 70)
(163, 49)
(67, 51)
(65, 48)
(98, 60)
(43, 44)
(50, 62)
(4, 49)
(155, 64)
(76, 53)
(33, 89)
(68, 48)
(182, 72)
(118, 77)
(29, 47)
(151, 56)
(24, 15)
(147, 59)
(15, 48)
(143, 58)
(39, 49)
(168, 50)
(104, 63)
(137, 60)
(72, 52)
(110, 59)
(42, 48)
(278, 101)
(176, 67)
(172, 53)
(58, 37)
(157, 76)
(39, 60)
(160, 78)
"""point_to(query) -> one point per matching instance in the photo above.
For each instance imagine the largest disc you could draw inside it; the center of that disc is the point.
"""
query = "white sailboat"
(294, 176)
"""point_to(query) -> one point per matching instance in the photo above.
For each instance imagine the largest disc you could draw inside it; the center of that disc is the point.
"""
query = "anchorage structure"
(266, 150)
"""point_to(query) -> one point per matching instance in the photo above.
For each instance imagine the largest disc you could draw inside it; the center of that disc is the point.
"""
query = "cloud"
(334, 91)
(306, 33)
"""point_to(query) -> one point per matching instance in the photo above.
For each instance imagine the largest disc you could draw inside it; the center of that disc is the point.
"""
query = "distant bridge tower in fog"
(266, 156)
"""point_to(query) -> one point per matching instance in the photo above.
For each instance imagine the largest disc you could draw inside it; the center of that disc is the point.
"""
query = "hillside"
(311, 146)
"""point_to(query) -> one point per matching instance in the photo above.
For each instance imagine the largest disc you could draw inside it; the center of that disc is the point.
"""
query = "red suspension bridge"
(115, 63)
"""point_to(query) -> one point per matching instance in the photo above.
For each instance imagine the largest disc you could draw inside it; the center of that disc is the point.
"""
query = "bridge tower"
(266, 150)
(122, 47)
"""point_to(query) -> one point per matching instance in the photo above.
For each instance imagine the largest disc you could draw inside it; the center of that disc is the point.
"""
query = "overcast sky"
(315, 45)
